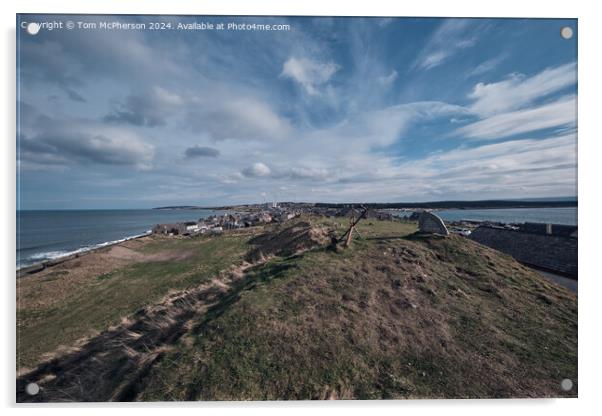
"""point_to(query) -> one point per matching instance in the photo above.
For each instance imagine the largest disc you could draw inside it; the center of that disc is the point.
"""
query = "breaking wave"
(58, 254)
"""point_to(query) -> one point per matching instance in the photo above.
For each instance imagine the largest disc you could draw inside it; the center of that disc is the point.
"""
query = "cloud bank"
(334, 110)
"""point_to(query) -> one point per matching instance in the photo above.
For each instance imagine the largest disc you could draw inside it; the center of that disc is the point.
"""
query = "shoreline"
(31, 258)
(43, 264)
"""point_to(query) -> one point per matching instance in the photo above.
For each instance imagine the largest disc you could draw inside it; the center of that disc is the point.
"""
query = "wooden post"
(351, 227)
(349, 233)
(349, 236)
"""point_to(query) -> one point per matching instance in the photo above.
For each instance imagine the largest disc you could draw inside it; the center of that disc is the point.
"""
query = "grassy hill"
(397, 315)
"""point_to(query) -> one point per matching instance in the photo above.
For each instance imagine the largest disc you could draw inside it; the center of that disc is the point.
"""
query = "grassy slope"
(388, 318)
(394, 316)
(103, 300)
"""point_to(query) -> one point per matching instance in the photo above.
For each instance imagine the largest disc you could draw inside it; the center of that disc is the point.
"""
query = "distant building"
(170, 229)
(264, 217)
(216, 224)
(192, 227)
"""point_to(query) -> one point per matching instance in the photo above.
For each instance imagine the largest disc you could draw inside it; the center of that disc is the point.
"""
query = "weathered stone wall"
(430, 223)
(549, 252)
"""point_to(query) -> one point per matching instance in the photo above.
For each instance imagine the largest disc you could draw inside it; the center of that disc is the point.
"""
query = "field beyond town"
(277, 312)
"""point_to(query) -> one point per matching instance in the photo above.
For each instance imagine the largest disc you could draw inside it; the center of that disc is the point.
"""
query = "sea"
(564, 215)
(46, 235)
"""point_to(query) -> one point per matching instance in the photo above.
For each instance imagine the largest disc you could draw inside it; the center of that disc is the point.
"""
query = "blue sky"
(332, 110)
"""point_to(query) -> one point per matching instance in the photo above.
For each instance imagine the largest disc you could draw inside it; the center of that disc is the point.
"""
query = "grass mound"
(415, 317)
(396, 315)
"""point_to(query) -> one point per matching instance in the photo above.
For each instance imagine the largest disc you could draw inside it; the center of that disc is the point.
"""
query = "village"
(260, 215)
(216, 224)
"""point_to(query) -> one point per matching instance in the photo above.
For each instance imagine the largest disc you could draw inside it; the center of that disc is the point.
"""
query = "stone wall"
(549, 252)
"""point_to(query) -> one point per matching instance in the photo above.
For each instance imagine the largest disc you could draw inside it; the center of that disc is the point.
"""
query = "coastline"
(31, 264)
(47, 236)
(43, 264)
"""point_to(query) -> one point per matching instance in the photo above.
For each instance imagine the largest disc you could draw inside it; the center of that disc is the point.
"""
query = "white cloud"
(310, 74)
(337, 157)
(543, 167)
(370, 129)
(66, 62)
(559, 113)
(341, 156)
(229, 116)
(85, 143)
(388, 79)
(336, 148)
(434, 59)
(528, 155)
(512, 106)
(307, 173)
(257, 169)
(519, 91)
(149, 108)
(536, 165)
(450, 37)
(486, 66)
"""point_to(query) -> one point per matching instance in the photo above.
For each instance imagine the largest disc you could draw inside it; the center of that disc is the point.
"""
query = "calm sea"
(43, 235)
(566, 215)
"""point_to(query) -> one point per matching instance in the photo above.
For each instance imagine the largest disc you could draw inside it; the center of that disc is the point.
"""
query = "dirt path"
(112, 366)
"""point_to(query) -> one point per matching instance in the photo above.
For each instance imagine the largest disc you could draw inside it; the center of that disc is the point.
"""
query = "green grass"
(326, 324)
(103, 301)
(369, 228)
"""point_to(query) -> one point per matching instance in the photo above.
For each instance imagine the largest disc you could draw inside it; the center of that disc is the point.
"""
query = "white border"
(589, 191)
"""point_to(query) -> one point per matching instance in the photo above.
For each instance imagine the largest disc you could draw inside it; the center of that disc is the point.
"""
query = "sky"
(330, 110)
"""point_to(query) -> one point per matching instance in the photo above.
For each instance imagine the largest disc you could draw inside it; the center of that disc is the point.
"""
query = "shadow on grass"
(113, 365)
(257, 275)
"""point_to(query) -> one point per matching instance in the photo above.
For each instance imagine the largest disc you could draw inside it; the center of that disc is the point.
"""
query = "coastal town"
(215, 224)
(263, 214)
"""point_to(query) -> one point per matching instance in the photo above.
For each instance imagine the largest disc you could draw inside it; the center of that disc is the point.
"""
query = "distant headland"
(557, 202)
